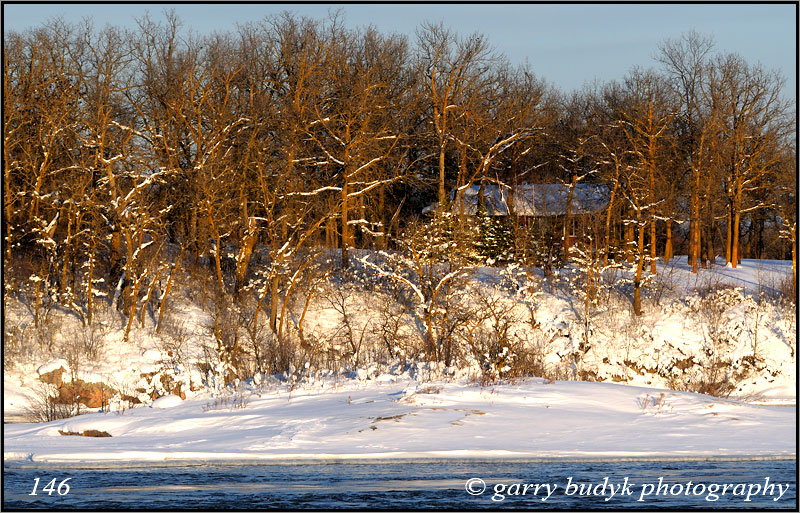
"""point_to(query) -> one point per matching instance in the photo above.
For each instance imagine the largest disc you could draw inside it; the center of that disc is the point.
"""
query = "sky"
(568, 45)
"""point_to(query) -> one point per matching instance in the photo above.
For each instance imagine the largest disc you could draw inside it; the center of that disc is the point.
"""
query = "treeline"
(290, 134)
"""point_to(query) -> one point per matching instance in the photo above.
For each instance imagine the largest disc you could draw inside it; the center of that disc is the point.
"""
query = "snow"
(167, 401)
(91, 377)
(536, 419)
(752, 275)
(153, 355)
(15, 400)
(53, 365)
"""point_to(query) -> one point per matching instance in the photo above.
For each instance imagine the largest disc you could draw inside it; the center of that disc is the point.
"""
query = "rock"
(130, 399)
(91, 395)
(173, 387)
(52, 372)
(89, 432)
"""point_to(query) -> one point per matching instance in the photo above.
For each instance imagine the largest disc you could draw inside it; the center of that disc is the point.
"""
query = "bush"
(224, 327)
(787, 290)
(45, 407)
(17, 343)
(81, 345)
(234, 396)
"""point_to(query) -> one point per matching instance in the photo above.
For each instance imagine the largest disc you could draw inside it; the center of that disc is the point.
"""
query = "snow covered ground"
(753, 276)
(618, 404)
(383, 418)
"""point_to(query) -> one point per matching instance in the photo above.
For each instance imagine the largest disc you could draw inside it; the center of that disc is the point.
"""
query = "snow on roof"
(549, 199)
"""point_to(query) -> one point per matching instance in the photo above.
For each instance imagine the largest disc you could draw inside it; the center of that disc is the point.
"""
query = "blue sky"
(567, 44)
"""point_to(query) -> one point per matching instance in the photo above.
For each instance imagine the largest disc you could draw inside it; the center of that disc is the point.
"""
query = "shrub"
(80, 345)
(235, 396)
(44, 406)
(17, 342)
(224, 327)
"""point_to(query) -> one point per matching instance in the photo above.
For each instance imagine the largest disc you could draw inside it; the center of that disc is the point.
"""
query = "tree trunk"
(193, 221)
(629, 252)
(345, 227)
(652, 150)
(608, 223)
(362, 215)
(166, 289)
(9, 220)
(330, 233)
(381, 243)
(694, 232)
(703, 251)
(430, 341)
(735, 237)
(793, 233)
(217, 260)
(668, 245)
(708, 261)
(710, 246)
(38, 303)
(760, 238)
(653, 255)
(132, 314)
(694, 252)
(728, 238)
(567, 212)
(146, 302)
(637, 280)
(273, 304)
(90, 286)
(442, 192)
(65, 258)
(246, 251)
(115, 257)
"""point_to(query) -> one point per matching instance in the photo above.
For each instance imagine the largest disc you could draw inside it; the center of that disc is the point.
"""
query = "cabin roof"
(534, 200)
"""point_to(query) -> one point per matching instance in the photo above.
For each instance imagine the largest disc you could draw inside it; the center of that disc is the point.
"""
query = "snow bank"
(168, 401)
(153, 355)
(535, 419)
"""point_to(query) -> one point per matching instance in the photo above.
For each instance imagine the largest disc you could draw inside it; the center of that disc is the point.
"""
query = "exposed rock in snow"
(53, 365)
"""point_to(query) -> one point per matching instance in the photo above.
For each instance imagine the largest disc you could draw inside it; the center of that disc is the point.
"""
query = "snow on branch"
(372, 185)
(365, 166)
(417, 292)
(312, 193)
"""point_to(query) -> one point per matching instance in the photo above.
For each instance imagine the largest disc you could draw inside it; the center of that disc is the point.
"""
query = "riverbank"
(385, 418)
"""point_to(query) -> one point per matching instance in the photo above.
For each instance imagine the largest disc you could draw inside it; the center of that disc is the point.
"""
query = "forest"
(263, 160)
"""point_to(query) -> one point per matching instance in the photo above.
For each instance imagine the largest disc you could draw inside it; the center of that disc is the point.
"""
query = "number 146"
(63, 487)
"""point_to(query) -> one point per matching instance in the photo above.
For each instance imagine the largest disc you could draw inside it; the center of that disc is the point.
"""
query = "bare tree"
(355, 127)
(751, 115)
(786, 198)
(684, 62)
(613, 154)
(448, 65)
(646, 121)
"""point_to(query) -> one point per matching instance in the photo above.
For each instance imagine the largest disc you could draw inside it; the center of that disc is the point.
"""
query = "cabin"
(532, 200)
(542, 208)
